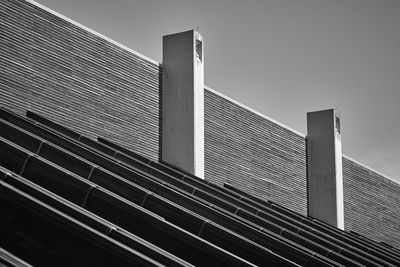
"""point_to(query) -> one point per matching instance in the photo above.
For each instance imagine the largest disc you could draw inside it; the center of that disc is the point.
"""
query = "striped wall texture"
(254, 154)
(269, 161)
(371, 203)
(98, 88)
(74, 77)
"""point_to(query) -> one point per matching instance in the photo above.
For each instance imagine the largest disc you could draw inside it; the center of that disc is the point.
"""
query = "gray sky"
(282, 58)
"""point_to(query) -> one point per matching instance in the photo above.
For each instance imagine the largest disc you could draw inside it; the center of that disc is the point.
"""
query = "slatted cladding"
(95, 87)
(371, 203)
(76, 78)
(254, 154)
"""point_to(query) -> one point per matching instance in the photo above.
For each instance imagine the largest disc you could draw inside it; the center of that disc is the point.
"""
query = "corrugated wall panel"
(74, 77)
(371, 203)
(254, 154)
(269, 161)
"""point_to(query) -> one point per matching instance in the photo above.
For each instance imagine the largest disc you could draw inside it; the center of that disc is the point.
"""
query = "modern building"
(108, 157)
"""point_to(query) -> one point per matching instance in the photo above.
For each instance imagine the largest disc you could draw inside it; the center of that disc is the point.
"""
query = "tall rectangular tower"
(183, 102)
(325, 175)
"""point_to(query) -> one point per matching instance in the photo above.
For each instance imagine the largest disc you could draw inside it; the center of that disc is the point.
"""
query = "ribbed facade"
(76, 78)
(371, 203)
(147, 213)
(254, 154)
(96, 87)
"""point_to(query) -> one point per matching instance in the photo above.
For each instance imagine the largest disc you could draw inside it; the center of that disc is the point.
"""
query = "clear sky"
(282, 58)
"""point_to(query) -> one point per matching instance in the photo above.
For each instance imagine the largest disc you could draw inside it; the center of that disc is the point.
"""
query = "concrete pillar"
(183, 102)
(325, 178)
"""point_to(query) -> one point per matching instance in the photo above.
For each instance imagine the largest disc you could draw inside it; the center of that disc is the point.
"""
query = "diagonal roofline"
(254, 111)
(206, 87)
(92, 31)
(373, 170)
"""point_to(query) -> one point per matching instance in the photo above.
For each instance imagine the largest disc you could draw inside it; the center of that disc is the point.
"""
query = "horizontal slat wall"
(371, 203)
(97, 88)
(74, 77)
(254, 154)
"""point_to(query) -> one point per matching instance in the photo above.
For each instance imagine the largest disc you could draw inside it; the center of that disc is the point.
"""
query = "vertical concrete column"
(325, 178)
(183, 102)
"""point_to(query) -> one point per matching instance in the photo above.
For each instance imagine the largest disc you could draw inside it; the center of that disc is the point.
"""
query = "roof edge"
(206, 87)
(373, 170)
(92, 31)
(254, 111)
